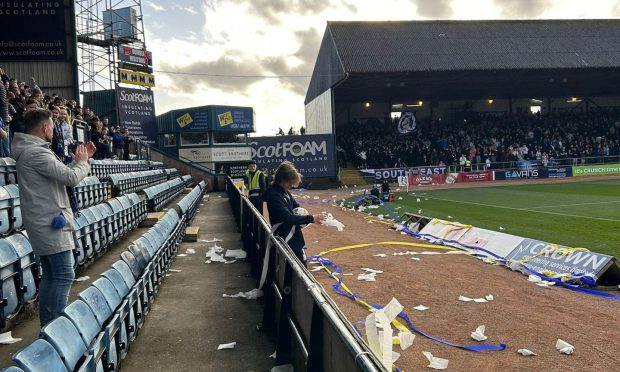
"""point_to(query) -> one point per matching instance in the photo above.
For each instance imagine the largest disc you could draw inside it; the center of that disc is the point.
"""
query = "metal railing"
(309, 330)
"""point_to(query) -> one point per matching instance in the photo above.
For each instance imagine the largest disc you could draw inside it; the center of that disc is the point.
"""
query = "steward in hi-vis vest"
(255, 181)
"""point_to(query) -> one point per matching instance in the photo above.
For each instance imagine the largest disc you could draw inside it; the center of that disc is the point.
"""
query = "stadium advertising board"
(33, 30)
(429, 179)
(136, 78)
(596, 170)
(550, 258)
(234, 170)
(313, 155)
(136, 56)
(427, 170)
(493, 241)
(475, 176)
(136, 112)
(237, 119)
(215, 154)
(192, 120)
(560, 172)
(380, 175)
(523, 174)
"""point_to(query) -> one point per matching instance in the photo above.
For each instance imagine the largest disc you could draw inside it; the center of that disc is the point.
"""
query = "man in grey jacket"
(46, 209)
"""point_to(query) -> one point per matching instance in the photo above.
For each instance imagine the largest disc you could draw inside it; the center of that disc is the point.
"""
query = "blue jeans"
(5, 147)
(56, 282)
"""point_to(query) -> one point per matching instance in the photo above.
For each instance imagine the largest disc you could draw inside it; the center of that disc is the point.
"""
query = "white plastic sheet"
(435, 362)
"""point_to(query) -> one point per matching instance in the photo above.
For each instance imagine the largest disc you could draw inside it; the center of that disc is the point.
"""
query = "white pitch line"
(576, 204)
(524, 209)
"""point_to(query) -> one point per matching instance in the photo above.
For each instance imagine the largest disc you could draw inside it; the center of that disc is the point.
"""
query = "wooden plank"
(191, 234)
(152, 218)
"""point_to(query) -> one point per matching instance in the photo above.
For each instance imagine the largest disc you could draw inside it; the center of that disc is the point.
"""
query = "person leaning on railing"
(282, 207)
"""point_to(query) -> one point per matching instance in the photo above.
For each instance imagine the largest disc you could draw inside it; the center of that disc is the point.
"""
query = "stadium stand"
(95, 330)
(90, 192)
(159, 195)
(124, 183)
(585, 137)
(104, 168)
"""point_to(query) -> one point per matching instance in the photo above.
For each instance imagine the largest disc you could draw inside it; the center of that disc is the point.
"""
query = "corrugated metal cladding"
(52, 77)
(319, 114)
(165, 122)
(328, 69)
(102, 103)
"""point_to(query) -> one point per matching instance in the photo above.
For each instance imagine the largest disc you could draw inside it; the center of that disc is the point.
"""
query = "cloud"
(156, 7)
(272, 10)
(187, 9)
(616, 9)
(523, 8)
(437, 9)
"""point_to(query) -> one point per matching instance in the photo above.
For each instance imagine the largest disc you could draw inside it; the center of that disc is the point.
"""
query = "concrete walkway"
(190, 318)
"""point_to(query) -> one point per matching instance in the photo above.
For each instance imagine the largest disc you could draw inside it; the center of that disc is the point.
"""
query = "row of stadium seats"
(95, 331)
(8, 171)
(90, 191)
(162, 193)
(171, 173)
(19, 276)
(104, 168)
(99, 226)
(124, 183)
(10, 210)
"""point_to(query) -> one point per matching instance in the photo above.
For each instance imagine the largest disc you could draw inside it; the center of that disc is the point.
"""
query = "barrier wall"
(534, 254)
(309, 330)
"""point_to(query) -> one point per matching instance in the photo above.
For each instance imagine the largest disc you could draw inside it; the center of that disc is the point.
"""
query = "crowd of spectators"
(489, 139)
(72, 123)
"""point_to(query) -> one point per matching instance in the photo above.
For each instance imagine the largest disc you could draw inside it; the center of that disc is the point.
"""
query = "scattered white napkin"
(526, 352)
(415, 258)
(250, 295)
(372, 270)
(236, 253)
(230, 345)
(190, 251)
(174, 270)
(368, 277)
(406, 339)
(435, 363)
(379, 255)
(6, 338)
(418, 200)
(82, 278)
(564, 347)
(421, 307)
(212, 240)
(478, 334)
(331, 221)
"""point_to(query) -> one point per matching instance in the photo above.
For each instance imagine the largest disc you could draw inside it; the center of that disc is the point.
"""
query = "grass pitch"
(579, 214)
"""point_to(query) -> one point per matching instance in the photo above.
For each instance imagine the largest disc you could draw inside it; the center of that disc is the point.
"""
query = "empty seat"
(83, 318)
(8, 171)
(10, 303)
(16, 210)
(39, 356)
(97, 302)
(27, 265)
(65, 338)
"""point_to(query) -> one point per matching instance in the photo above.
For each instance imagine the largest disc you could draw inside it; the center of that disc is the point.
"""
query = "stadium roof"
(451, 50)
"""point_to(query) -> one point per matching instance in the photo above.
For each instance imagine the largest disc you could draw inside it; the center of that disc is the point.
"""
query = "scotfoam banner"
(313, 155)
(136, 112)
(549, 257)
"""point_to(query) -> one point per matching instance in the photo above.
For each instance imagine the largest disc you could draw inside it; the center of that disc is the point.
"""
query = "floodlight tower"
(101, 27)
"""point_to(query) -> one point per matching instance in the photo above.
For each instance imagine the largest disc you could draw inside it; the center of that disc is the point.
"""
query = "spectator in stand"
(46, 208)
(118, 143)
(126, 141)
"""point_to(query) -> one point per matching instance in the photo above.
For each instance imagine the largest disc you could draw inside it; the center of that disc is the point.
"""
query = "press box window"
(192, 138)
(170, 140)
(229, 138)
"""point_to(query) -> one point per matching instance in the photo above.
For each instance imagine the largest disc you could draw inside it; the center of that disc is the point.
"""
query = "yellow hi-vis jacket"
(253, 181)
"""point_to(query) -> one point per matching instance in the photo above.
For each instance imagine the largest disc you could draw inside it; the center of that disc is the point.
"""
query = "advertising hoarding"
(33, 30)
(135, 56)
(313, 154)
(596, 170)
(136, 78)
(136, 112)
(215, 154)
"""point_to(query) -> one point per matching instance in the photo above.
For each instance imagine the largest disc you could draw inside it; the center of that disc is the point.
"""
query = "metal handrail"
(363, 357)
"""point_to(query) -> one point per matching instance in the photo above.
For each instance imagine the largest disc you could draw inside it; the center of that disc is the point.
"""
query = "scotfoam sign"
(313, 155)
(551, 259)
(136, 112)
(596, 170)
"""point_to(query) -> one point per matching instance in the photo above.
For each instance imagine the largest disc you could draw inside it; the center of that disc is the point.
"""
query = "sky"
(191, 39)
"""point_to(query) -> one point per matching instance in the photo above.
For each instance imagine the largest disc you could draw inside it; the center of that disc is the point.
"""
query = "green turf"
(579, 214)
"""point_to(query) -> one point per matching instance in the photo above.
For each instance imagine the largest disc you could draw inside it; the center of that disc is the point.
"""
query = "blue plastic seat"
(11, 369)
(39, 356)
(109, 292)
(83, 318)
(10, 303)
(135, 266)
(29, 270)
(65, 338)
(97, 303)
